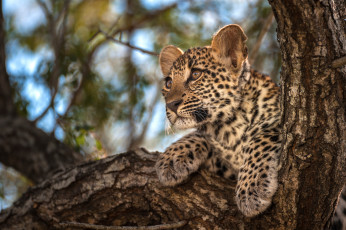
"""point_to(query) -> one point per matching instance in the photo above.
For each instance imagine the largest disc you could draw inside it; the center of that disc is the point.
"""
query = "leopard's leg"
(257, 179)
(220, 166)
(181, 159)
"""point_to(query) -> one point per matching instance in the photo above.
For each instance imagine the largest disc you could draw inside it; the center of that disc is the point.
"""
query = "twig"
(94, 36)
(51, 104)
(143, 19)
(136, 141)
(128, 27)
(103, 227)
(108, 37)
(45, 9)
(339, 62)
(64, 12)
(74, 96)
(263, 32)
(57, 43)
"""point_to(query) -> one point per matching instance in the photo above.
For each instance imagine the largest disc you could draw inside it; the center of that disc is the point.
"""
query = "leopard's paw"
(254, 196)
(173, 168)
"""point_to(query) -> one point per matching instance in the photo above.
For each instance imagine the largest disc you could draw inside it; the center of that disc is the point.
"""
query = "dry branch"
(129, 45)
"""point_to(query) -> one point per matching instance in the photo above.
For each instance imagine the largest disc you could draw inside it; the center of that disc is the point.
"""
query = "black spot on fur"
(274, 138)
(200, 115)
(190, 155)
(210, 154)
(219, 173)
(232, 177)
(264, 175)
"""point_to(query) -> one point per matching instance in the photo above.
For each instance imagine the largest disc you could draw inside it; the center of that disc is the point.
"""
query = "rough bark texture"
(31, 151)
(124, 190)
(311, 35)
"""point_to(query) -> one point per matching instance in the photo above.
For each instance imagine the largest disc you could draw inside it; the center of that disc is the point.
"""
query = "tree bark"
(311, 36)
(124, 190)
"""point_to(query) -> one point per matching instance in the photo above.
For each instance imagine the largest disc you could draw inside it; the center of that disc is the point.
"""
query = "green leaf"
(80, 140)
(98, 145)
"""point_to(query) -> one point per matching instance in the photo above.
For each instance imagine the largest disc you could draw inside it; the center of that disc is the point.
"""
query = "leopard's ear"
(228, 45)
(167, 56)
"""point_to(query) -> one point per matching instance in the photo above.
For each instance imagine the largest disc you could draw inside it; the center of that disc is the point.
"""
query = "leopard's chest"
(229, 141)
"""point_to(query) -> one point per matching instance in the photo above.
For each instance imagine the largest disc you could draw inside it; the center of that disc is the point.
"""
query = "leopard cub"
(235, 112)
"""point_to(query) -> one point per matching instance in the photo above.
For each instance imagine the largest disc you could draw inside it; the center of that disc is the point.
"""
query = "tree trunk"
(311, 36)
(124, 190)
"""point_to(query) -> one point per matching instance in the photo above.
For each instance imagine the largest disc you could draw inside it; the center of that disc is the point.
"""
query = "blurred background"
(87, 71)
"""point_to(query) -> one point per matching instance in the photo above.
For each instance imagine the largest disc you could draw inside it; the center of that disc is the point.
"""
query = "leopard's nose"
(174, 105)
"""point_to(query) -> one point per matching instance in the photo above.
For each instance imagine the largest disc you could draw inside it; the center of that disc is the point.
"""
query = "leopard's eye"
(168, 83)
(196, 74)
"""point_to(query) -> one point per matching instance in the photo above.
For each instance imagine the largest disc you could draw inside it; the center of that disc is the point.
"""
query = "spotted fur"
(235, 111)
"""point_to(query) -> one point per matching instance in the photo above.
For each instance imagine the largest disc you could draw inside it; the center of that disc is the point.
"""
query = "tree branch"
(103, 227)
(114, 30)
(138, 23)
(58, 42)
(136, 141)
(50, 105)
(265, 28)
(108, 37)
(31, 151)
(6, 100)
(123, 190)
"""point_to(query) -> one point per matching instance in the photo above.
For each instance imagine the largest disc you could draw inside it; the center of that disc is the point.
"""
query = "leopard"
(235, 112)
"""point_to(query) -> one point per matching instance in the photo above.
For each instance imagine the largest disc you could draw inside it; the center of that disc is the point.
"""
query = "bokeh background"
(87, 71)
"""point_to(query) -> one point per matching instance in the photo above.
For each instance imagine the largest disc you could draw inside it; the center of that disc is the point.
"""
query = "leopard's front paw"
(254, 196)
(173, 167)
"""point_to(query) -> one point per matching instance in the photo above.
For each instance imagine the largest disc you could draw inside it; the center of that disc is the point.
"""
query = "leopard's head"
(202, 85)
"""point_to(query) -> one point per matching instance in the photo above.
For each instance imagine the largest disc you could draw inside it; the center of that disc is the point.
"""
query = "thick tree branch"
(123, 190)
(31, 151)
